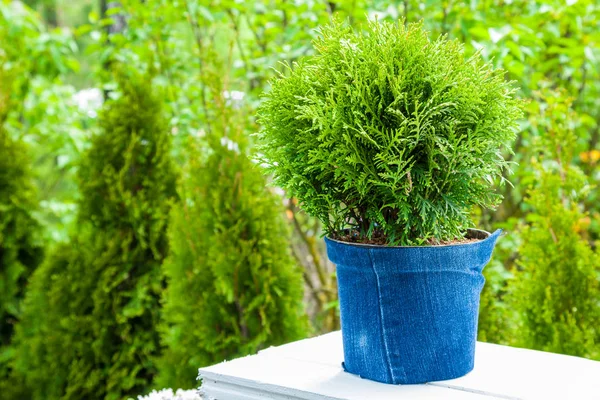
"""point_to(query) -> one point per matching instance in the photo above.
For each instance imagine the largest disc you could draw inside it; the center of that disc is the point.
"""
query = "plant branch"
(198, 38)
(307, 279)
(238, 42)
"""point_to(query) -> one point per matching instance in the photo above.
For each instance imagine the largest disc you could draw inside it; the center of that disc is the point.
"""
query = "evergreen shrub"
(555, 288)
(389, 134)
(93, 308)
(233, 287)
(43, 342)
(20, 247)
(497, 319)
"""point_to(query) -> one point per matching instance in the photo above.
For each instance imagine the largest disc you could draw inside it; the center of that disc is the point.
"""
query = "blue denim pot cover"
(409, 314)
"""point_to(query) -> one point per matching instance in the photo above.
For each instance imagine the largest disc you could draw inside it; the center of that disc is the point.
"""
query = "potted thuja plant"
(391, 138)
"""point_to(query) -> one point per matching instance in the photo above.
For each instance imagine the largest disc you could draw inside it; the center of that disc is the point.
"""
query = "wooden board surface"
(311, 369)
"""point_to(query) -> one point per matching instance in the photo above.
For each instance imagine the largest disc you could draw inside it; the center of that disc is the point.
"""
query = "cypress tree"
(90, 329)
(20, 248)
(232, 285)
(43, 342)
(555, 290)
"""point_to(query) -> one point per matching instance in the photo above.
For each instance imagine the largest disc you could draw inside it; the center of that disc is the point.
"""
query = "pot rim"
(479, 232)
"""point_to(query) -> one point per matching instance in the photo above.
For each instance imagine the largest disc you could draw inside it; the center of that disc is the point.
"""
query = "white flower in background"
(89, 101)
(167, 394)
(230, 144)
(234, 97)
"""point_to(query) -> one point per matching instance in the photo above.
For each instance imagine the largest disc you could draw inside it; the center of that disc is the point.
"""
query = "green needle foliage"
(233, 287)
(20, 250)
(496, 318)
(44, 341)
(389, 134)
(89, 331)
(555, 291)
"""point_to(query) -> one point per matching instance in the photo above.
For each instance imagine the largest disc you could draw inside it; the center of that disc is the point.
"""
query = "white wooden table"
(310, 370)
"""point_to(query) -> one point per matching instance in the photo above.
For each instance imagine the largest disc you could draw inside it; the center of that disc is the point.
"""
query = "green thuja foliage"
(496, 317)
(555, 290)
(44, 342)
(389, 133)
(233, 287)
(91, 315)
(20, 249)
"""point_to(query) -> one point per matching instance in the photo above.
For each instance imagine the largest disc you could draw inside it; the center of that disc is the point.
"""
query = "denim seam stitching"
(472, 272)
(384, 337)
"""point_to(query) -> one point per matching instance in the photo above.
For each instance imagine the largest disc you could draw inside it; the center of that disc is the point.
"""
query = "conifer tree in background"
(555, 291)
(90, 326)
(497, 319)
(233, 287)
(43, 341)
(20, 249)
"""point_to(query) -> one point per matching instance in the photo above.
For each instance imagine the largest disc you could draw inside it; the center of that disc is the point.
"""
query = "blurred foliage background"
(80, 166)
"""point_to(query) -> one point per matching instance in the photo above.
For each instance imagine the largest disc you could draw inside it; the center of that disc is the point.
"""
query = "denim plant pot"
(409, 314)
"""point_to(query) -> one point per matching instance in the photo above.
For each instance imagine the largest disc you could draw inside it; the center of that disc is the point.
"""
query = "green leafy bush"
(43, 113)
(496, 318)
(555, 290)
(233, 287)
(91, 315)
(20, 247)
(31, 48)
(389, 133)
